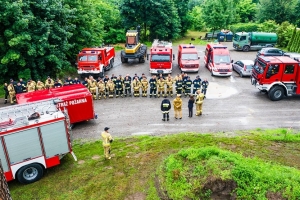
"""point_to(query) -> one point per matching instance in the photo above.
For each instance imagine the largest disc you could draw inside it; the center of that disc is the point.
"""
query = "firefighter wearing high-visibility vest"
(40, 85)
(101, 89)
(199, 102)
(127, 86)
(93, 88)
(153, 86)
(136, 84)
(106, 142)
(169, 83)
(110, 88)
(12, 92)
(196, 84)
(165, 108)
(179, 84)
(161, 87)
(119, 87)
(144, 84)
(204, 87)
(188, 86)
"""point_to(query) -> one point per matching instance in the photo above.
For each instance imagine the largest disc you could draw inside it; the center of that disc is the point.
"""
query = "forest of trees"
(42, 37)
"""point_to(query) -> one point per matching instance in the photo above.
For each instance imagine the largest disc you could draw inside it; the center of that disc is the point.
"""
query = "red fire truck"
(188, 59)
(161, 57)
(75, 98)
(279, 76)
(217, 60)
(94, 61)
(34, 137)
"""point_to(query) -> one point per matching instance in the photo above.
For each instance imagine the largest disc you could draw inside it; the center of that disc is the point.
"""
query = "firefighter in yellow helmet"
(40, 85)
(169, 83)
(93, 88)
(136, 84)
(12, 92)
(199, 102)
(101, 88)
(177, 103)
(110, 88)
(106, 142)
(144, 83)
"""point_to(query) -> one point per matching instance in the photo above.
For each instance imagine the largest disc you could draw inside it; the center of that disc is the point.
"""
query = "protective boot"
(5, 102)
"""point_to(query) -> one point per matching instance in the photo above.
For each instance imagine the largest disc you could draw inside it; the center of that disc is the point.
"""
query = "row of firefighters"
(159, 86)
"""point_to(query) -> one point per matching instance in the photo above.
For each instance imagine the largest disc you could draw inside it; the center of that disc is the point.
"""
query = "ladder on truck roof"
(159, 43)
(13, 117)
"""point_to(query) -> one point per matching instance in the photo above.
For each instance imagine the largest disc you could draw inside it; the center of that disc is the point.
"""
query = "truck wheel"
(30, 173)
(276, 93)
(112, 63)
(141, 60)
(101, 74)
(246, 48)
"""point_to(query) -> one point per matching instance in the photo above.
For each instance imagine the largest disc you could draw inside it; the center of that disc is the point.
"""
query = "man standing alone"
(177, 103)
(106, 141)
(165, 108)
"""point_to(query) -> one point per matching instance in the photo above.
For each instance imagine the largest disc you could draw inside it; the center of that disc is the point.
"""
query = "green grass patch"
(132, 171)
(191, 173)
(193, 34)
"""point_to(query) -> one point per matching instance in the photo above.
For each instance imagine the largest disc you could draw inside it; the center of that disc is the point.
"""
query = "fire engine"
(75, 98)
(34, 137)
(161, 57)
(94, 61)
(279, 76)
(217, 60)
(188, 59)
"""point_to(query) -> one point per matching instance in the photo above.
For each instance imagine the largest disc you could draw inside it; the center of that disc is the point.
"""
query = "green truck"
(254, 40)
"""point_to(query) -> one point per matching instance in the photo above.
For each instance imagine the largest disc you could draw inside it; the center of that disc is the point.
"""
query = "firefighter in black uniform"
(184, 79)
(153, 86)
(19, 88)
(23, 83)
(68, 81)
(204, 87)
(127, 86)
(165, 108)
(119, 87)
(196, 84)
(57, 84)
(135, 75)
(5, 92)
(85, 82)
(179, 84)
(76, 81)
(113, 78)
(188, 86)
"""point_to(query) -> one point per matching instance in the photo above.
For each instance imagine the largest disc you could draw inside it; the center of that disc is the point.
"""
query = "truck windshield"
(88, 58)
(221, 59)
(236, 37)
(160, 58)
(189, 56)
(259, 67)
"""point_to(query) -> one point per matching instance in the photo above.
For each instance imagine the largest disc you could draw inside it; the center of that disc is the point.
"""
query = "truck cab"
(279, 76)
(188, 59)
(217, 60)
(95, 61)
(161, 57)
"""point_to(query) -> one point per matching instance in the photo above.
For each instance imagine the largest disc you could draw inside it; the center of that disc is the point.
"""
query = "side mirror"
(198, 57)
(147, 56)
(231, 61)
(173, 56)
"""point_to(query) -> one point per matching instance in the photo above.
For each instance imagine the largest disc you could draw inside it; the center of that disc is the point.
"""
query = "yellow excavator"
(133, 48)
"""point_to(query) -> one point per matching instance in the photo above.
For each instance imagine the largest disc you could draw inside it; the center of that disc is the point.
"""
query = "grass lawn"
(131, 172)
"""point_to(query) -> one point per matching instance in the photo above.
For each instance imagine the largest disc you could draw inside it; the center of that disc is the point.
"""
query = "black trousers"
(6, 95)
(166, 115)
(152, 90)
(190, 112)
(204, 91)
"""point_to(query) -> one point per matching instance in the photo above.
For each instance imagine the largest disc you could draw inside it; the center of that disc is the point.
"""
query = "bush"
(246, 27)
(285, 34)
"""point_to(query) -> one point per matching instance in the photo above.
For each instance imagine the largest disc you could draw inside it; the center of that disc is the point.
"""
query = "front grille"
(190, 66)
(87, 67)
(223, 70)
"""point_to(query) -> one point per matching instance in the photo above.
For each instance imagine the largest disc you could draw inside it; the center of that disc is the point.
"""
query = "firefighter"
(101, 88)
(184, 79)
(161, 76)
(111, 88)
(136, 85)
(76, 81)
(105, 80)
(169, 83)
(57, 84)
(49, 83)
(169, 77)
(85, 82)
(12, 92)
(161, 87)
(6, 93)
(179, 84)
(135, 76)
(19, 88)
(144, 84)
(142, 77)
(69, 81)
(30, 86)
(113, 78)
(176, 77)
(204, 87)
(129, 78)
(177, 103)
(199, 102)
(188, 86)
(106, 142)
(196, 84)
(23, 83)
(121, 79)
(127, 86)
(165, 108)
(93, 88)
(119, 87)
(40, 86)
(153, 86)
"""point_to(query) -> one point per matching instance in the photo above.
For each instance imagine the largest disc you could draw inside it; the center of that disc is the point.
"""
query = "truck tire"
(101, 74)
(112, 62)
(141, 59)
(246, 48)
(30, 173)
(276, 93)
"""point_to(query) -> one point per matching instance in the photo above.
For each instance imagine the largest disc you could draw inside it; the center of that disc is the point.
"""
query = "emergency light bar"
(219, 47)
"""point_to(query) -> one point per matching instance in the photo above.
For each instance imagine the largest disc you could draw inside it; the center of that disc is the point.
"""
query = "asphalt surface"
(232, 104)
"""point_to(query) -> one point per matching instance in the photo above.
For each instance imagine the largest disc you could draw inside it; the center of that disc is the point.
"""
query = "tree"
(246, 10)
(196, 18)
(182, 10)
(277, 10)
(218, 14)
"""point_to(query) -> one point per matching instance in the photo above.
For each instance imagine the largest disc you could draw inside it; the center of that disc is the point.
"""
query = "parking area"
(232, 104)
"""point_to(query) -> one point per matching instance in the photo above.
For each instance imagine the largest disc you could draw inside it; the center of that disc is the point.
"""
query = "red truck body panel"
(161, 57)
(188, 59)
(76, 99)
(93, 61)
